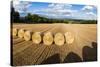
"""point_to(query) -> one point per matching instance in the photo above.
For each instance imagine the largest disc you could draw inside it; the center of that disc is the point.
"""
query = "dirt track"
(26, 52)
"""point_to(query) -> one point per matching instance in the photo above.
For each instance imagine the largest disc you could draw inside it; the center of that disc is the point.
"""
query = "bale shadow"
(52, 60)
(90, 54)
(72, 57)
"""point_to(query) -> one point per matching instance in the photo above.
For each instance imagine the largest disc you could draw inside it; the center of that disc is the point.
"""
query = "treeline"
(33, 18)
(86, 21)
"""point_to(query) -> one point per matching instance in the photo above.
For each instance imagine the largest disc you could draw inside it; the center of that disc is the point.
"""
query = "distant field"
(26, 52)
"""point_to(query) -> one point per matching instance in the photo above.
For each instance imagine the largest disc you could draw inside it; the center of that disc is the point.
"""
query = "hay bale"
(36, 37)
(69, 38)
(21, 33)
(27, 35)
(14, 31)
(59, 39)
(47, 38)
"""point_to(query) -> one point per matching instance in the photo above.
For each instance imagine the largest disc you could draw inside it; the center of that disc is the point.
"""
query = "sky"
(56, 10)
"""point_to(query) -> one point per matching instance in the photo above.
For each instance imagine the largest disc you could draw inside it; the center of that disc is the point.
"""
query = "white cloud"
(84, 15)
(58, 10)
(91, 15)
(51, 5)
(87, 8)
(15, 2)
(21, 6)
(59, 6)
(87, 13)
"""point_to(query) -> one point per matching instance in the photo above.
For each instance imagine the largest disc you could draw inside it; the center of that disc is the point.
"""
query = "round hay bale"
(14, 31)
(59, 39)
(27, 35)
(47, 38)
(36, 37)
(21, 33)
(69, 38)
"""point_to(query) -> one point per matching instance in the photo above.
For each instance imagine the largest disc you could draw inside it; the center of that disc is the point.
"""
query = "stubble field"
(83, 48)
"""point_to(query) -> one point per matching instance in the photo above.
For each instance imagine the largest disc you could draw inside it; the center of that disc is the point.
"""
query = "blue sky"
(56, 10)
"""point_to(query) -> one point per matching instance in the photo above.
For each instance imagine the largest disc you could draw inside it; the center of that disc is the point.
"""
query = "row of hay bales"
(48, 38)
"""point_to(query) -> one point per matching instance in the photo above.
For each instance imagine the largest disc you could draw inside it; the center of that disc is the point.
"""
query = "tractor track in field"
(28, 53)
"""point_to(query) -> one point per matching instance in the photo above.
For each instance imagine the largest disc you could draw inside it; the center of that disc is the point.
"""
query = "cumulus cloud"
(84, 15)
(58, 10)
(92, 15)
(15, 2)
(21, 6)
(59, 6)
(88, 12)
(87, 8)
(51, 5)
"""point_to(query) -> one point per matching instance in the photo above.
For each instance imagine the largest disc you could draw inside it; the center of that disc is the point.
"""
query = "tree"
(29, 18)
(15, 17)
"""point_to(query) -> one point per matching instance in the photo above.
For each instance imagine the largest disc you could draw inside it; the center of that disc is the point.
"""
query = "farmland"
(83, 48)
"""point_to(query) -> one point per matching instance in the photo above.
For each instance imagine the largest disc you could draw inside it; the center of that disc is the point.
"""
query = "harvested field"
(81, 46)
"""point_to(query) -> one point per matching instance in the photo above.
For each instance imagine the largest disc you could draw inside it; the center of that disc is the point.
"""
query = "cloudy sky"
(57, 10)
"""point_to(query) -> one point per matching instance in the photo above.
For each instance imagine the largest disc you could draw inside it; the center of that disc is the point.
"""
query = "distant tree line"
(88, 21)
(33, 18)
